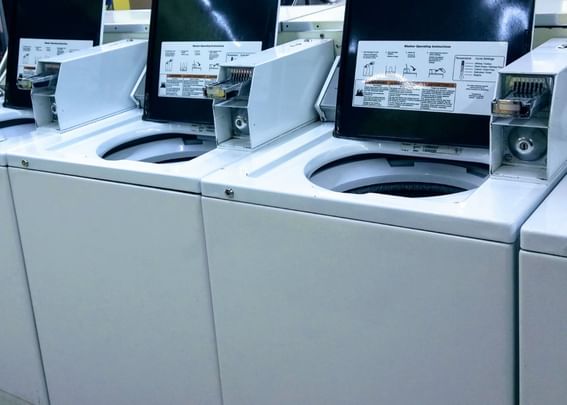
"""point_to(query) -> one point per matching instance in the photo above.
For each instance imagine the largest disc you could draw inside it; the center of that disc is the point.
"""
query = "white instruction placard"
(449, 77)
(187, 67)
(33, 50)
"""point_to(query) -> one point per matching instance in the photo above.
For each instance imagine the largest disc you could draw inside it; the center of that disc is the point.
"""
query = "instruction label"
(187, 67)
(449, 77)
(435, 149)
(34, 50)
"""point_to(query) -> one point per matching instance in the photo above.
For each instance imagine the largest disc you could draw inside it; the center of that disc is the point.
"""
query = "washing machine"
(372, 270)
(21, 373)
(329, 285)
(117, 267)
(543, 282)
(113, 239)
(111, 224)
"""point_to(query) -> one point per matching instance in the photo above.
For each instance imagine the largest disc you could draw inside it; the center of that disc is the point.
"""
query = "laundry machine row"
(328, 283)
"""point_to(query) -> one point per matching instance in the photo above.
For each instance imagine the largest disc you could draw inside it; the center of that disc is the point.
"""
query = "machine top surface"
(14, 136)
(59, 21)
(16, 126)
(172, 89)
(10, 114)
(547, 59)
(279, 176)
(423, 85)
(546, 230)
(81, 152)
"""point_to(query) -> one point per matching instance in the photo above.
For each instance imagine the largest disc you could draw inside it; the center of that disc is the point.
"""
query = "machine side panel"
(21, 373)
(312, 309)
(543, 329)
(119, 281)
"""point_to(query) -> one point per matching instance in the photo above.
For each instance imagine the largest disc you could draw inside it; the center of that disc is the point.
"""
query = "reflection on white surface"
(220, 19)
(551, 6)
(512, 17)
(127, 17)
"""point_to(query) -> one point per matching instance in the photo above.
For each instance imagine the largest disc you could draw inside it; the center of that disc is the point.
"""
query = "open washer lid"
(66, 25)
(179, 31)
(434, 47)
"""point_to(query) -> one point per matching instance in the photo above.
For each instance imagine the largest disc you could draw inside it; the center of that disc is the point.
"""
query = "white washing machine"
(375, 271)
(543, 303)
(117, 266)
(113, 239)
(328, 296)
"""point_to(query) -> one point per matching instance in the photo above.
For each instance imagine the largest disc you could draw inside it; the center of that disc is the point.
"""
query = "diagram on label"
(476, 68)
(33, 50)
(368, 70)
(450, 77)
(390, 70)
(410, 71)
(232, 56)
(169, 65)
(187, 67)
(437, 72)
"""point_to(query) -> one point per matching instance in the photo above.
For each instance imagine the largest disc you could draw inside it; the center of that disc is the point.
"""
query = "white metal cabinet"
(21, 373)
(313, 309)
(123, 306)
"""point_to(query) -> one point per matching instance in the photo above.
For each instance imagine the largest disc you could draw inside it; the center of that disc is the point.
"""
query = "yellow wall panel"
(121, 4)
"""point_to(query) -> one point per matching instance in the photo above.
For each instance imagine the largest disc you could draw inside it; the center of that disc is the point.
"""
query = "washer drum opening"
(161, 149)
(16, 121)
(399, 176)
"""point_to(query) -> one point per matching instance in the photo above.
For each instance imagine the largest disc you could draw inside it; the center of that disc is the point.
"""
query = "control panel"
(529, 121)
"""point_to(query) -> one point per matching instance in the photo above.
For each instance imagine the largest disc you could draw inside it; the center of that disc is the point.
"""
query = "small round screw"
(25, 163)
(229, 192)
